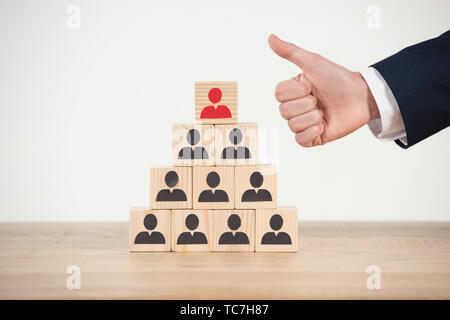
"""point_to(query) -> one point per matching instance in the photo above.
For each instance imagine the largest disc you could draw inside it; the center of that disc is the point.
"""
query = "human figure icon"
(215, 111)
(252, 195)
(234, 237)
(192, 237)
(236, 152)
(213, 180)
(150, 236)
(276, 222)
(171, 180)
(193, 137)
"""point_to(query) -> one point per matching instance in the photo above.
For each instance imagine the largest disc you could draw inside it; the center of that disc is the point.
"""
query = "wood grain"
(163, 226)
(242, 183)
(226, 184)
(288, 226)
(331, 263)
(247, 226)
(157, 183)
(229, 98)
(179, 226)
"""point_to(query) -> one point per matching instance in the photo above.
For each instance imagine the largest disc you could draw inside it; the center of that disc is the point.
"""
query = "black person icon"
(276, 222)
(152, 237)
(217, 195)
(190, 237)
(174, 195)
(193, 137)
(236, 237)
(256, 180)
(234, 152)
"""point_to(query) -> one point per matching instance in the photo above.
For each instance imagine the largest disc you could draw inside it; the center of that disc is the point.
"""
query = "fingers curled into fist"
(311, 136)
(304, 121)
(290, 109)
(299, 107)
(291, 89)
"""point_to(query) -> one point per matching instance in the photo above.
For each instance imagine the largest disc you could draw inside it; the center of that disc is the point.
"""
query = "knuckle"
(292, 123)
(316, 115)
(304, 89)
(301, 141)
(279, 91)
(284, 110)
(312, 100)
(315, 130)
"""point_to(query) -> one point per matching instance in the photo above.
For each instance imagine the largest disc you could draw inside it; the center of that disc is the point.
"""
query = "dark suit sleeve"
(419, 77)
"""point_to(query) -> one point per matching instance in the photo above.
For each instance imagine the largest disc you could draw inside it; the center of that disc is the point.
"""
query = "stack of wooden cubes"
(216, 197)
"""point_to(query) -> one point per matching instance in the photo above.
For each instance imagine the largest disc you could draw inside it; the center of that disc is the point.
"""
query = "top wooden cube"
(216, 102)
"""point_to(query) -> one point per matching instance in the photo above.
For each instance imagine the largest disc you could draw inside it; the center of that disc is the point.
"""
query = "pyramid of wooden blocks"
(216, 196)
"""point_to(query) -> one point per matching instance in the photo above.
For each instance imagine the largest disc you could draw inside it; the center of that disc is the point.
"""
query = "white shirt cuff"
(390, 125)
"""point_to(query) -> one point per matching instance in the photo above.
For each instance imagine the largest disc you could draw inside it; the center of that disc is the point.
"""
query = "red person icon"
(212, 112)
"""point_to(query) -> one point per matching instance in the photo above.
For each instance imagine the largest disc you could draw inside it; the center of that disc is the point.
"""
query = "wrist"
(369, 101)
(372, 105)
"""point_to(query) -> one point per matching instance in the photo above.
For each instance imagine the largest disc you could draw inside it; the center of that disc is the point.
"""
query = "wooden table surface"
(414, 259)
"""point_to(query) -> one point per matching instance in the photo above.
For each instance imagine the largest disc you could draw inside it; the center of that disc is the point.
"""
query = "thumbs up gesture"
(325, 102)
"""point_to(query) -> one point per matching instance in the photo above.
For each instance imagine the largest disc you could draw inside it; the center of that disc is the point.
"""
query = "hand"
(325, 102)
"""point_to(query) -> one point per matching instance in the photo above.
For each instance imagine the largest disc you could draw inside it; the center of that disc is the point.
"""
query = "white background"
(84, 113)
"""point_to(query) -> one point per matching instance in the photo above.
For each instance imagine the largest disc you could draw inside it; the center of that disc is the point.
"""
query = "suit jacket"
(419, 77)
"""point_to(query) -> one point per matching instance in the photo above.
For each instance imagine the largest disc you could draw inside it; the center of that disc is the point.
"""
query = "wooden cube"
(171, 188)
(191, 230)
(236, 144)
(149, 229)
(255, 187)
(234, 230)
(192, 145)
(213, 188)
(216, 102)
(276, 230)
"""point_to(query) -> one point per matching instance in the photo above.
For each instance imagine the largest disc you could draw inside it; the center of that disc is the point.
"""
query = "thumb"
(291, 52)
